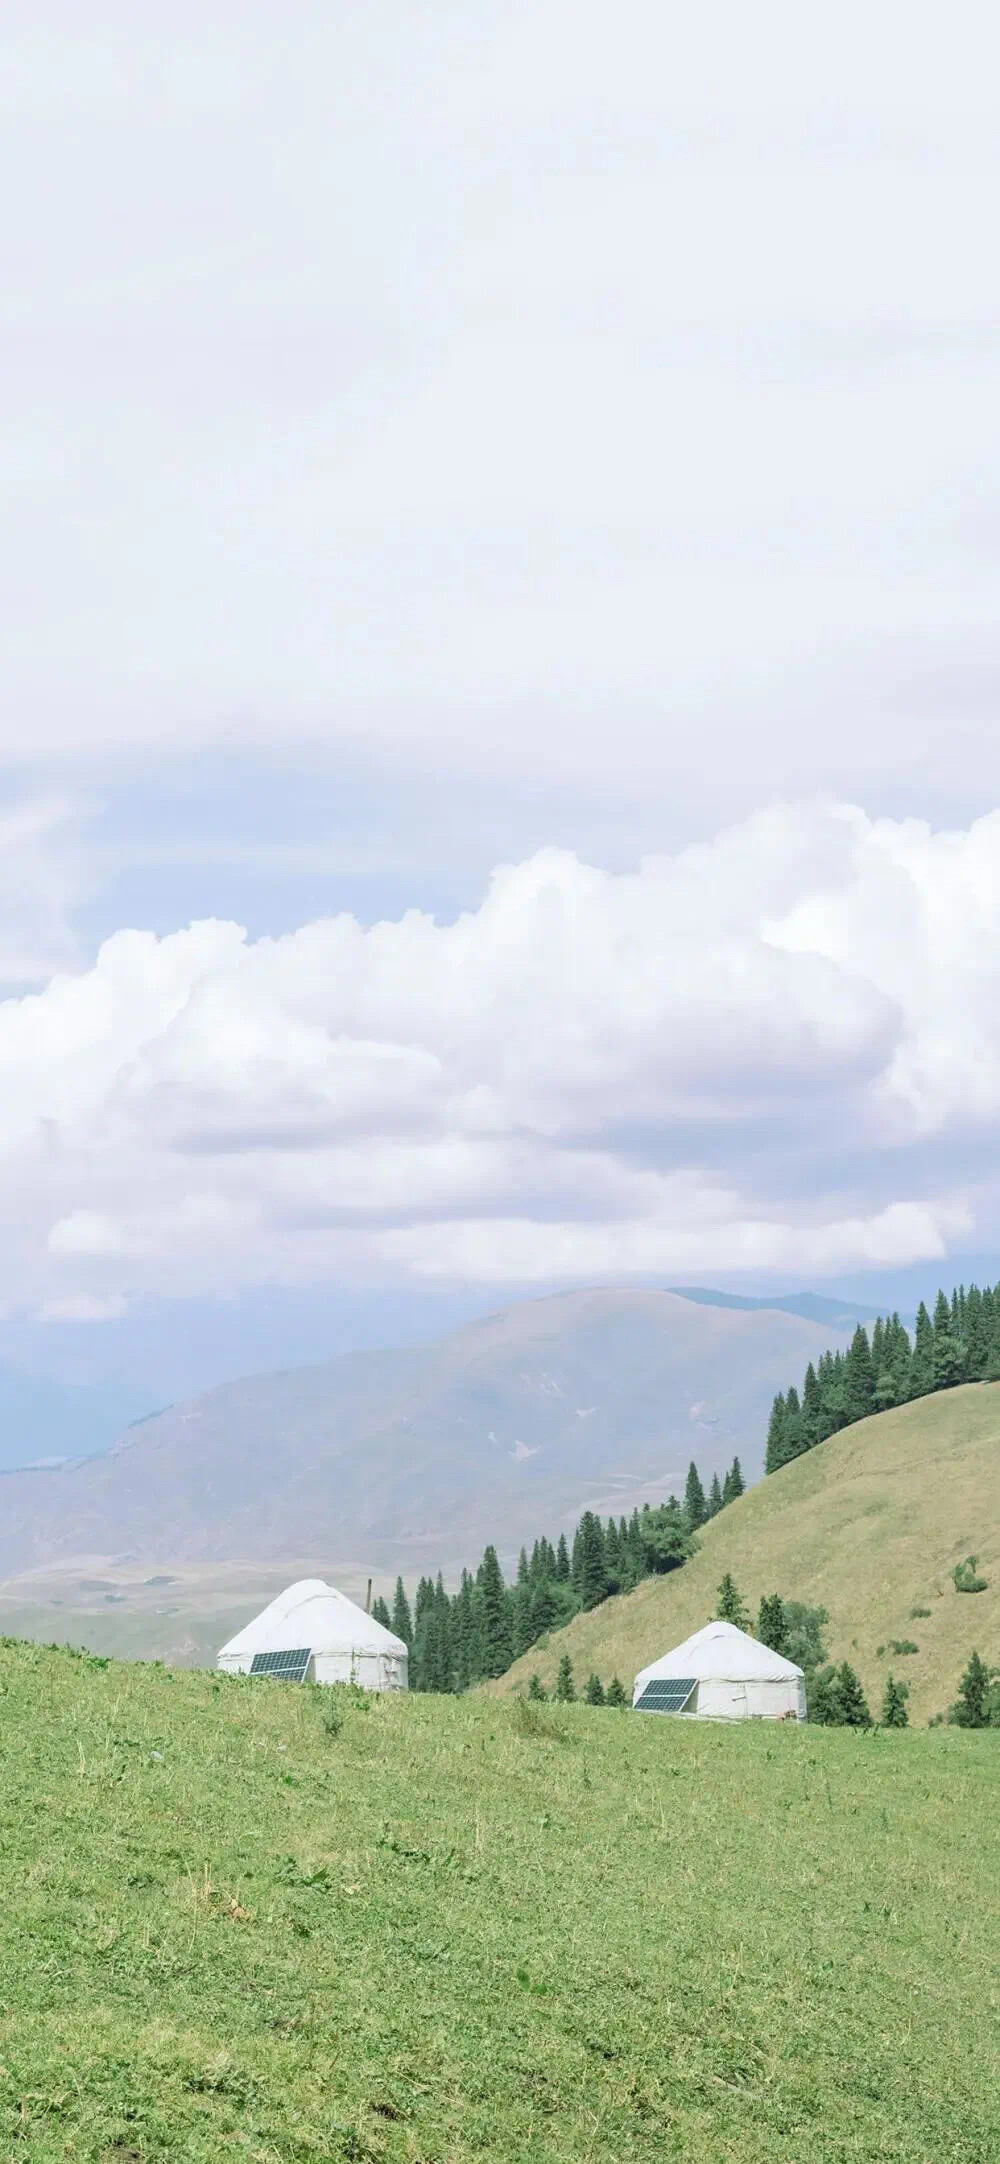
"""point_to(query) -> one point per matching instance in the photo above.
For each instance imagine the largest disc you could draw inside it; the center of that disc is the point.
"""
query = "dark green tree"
(775, 1455)
(793, 1429)
(714, 1497)
(859, 1378)
(972, 1706)
(402, 1622)
(565, 1687)
(380, 1611)
(837, 1700)
(562, 1560)
(772, 1629)
(854, 1705)
(812, 1409)
(497, 1639)
(664, 1540)
(695, 1506)
(737, 1484)
(594, 1691)
(731, 1606)
(616, 1693)
(535, 1690)
(894, 1713)
(922, 1362)
(590, 1576)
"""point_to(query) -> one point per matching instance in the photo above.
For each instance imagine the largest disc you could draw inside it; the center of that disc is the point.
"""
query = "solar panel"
(289, 1667)
(666, 1694)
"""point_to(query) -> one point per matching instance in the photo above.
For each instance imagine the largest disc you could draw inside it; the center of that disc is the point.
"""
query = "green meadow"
(274, 1923)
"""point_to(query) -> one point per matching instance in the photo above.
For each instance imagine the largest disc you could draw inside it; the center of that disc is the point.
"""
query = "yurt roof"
(311, 1613)
(720, 1650)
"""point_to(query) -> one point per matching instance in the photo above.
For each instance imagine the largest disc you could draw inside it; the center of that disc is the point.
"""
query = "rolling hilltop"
(412, 1460)
(868, 1525)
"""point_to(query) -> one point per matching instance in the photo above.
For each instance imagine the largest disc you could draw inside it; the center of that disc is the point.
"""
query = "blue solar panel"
(666, 1694)
(288, 1667)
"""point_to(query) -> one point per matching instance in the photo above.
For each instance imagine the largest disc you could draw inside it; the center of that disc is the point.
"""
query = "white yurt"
(313, 1633)
(721, 1674)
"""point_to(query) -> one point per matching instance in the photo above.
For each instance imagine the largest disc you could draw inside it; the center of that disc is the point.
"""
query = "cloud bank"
(494, 395)
(776, 1052)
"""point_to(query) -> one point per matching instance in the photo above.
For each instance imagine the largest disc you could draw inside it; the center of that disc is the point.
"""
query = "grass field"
(869, 1525)
(470, 1929)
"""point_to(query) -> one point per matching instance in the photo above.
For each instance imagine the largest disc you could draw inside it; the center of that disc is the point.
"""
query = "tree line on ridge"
(960, 1343)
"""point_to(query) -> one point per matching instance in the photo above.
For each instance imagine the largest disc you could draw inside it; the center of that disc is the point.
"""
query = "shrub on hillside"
(966, 1577)
(903, 1645)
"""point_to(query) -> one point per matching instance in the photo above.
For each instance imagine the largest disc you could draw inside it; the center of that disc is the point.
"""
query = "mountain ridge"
(415, 1459)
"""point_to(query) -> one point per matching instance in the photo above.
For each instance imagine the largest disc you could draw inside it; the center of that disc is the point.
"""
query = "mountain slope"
(415, 1459)
(869, 1526)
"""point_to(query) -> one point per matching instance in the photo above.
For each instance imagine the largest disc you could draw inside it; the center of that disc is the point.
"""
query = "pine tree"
(613, 1557)
(497, 1645)
(894, 1713)
(462, 1634)
(775, 1454)
(772, 1629)
(899, 1355)
(972, 1706)
(535, 1690)
(616, 1693)
(544, 1609)
(812, 1408)
(714, 1497)
(401, 1620)
(590, 1575)
(922, 1362)
(853, 1703)
(695, 1506)
(523, 1631)
(594, 1691)
(948, 1354)
(731, 1607)
(380, 1611)
(859, 1378)
(562, 1560)
(565, 1687)
(793, 1432)
(737, 1484)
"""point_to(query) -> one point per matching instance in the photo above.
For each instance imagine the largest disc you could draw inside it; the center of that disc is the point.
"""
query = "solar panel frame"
(667, 1694)
(289, 1665)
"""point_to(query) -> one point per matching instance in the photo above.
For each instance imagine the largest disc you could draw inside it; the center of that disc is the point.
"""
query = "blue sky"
(530, 485)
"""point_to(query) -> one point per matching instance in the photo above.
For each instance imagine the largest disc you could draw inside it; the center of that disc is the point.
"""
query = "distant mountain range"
(43, 1421)
(416, 1458)
(814, 1307)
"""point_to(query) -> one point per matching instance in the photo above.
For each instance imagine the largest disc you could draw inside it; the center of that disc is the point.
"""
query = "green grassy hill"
(466, 1929)
(869, 1525)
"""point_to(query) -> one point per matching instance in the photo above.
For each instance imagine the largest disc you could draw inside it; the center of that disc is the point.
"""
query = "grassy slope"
(468, 1929)
(870, 1525)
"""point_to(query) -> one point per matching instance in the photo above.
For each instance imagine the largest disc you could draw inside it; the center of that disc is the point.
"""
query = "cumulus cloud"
(765, 1053)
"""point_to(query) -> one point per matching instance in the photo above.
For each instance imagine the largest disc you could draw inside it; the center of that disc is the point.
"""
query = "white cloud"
(779, 1051)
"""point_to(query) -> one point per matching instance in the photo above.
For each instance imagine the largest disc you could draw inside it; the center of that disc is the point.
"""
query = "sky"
(500, 748)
